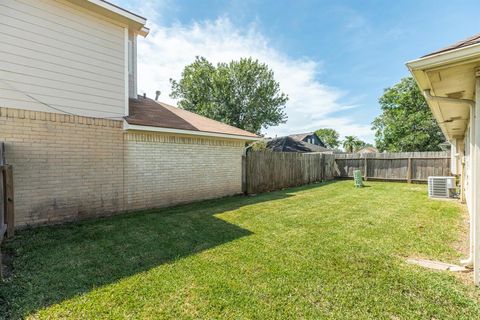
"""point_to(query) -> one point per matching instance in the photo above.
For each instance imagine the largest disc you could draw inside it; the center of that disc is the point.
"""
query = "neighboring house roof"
(151, 113)
(303, 136)
(461, 44)
(368, 150)
(300, 136)
(289, 144)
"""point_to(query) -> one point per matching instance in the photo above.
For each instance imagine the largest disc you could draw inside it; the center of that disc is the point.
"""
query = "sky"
(333, 58)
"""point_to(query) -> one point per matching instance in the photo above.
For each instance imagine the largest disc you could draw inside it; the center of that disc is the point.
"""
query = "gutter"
(441, 58)
(427, 93)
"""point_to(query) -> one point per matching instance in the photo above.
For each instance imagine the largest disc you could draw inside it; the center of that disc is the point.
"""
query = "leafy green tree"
(351, 144)
(406, 123)
(241, 93)
(329, 136)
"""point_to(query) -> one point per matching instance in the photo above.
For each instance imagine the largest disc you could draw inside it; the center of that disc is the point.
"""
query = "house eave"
(134, 127)
(426, 72)
(134, 22)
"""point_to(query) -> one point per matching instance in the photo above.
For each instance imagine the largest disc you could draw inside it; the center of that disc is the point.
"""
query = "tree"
(330, 137)
(241, 93)
(351, 144)
(406, 123)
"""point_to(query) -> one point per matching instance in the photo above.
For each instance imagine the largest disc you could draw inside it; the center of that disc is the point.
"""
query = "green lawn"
(321, 251)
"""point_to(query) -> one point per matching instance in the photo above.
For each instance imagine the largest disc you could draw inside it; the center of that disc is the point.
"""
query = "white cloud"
(167, 49)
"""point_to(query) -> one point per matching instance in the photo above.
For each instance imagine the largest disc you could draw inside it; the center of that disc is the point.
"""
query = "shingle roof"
(148, 112)
(461, 44)
(300, 136)
(368, 150)
(289, 144)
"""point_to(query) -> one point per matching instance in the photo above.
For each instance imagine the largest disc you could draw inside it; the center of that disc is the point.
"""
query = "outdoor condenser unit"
(441, 187)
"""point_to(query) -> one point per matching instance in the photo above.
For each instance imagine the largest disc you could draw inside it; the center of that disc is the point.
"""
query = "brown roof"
(461, 44)
(368, 150)
(148, 112)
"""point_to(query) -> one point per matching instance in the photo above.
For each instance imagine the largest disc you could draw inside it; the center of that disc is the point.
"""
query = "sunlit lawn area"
(312, 252)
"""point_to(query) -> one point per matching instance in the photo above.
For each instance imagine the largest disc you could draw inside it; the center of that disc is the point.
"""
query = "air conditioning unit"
(441, 187)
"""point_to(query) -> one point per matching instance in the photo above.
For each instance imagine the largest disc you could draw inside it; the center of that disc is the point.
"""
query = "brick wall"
(162, 170)
(69, 167)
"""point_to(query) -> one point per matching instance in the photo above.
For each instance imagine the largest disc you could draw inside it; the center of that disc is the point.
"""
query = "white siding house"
(67, 56)
(450, 80)
(80, 140)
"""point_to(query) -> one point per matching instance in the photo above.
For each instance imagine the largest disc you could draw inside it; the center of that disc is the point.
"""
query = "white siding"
(55, 57)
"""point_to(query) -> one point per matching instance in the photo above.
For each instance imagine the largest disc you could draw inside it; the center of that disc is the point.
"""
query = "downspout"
(471, 103)
(429, 96)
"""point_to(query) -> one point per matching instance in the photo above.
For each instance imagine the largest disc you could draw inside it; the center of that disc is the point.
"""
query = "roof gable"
(148, 112)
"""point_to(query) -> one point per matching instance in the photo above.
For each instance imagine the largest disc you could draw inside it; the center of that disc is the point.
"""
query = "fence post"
(244, 173)
(8, 200)
(409, 170)
(322, 167)
(366, 168)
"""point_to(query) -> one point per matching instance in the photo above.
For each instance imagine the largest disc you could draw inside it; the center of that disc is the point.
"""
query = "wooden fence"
(6, 196)
(405, 166)
(6, 200)
(267, 171)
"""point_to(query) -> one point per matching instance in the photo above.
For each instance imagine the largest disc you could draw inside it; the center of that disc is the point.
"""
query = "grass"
(322, 251)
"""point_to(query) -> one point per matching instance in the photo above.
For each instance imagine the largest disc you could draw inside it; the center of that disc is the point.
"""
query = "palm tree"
(351, 143)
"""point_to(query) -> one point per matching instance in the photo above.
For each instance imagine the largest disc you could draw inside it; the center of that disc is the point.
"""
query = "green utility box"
(357, 177)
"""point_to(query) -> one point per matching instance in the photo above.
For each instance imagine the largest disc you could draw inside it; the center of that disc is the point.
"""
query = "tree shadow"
(52, 264)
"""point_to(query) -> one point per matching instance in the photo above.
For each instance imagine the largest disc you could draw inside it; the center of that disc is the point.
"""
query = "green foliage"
(352, 144)
(330, 137)
(326, 251)
(241, 93)
(406, 123)
(260, 145)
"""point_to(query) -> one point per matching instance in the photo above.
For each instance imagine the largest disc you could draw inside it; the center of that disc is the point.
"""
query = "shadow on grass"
(51, 264)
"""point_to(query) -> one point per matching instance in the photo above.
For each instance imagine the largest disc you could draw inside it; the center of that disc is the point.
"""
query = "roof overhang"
(128, 126)
(134, 22)
(449, 74)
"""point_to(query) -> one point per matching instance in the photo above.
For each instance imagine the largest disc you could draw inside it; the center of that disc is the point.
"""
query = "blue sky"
(333, 58)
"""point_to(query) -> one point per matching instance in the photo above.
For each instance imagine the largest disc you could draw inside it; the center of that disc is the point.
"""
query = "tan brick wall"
(162, 170)
(69, 167)
(64, 167)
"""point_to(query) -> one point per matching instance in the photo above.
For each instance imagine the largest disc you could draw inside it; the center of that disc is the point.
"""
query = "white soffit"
(449, 74)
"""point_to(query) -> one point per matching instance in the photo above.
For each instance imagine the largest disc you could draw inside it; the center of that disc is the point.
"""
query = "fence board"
(267, 171)
(407, 166)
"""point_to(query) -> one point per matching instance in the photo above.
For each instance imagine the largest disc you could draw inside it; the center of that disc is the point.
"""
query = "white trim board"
(119, 11)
